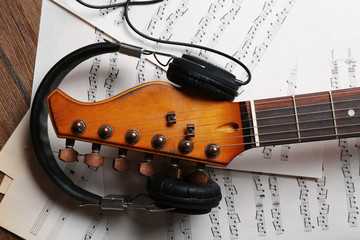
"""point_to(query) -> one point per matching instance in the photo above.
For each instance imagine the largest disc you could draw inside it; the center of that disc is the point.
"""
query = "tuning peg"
(199, 176)
(174, 172)
(68, 154)
(121, 164)
(94, 159)
(147, 167)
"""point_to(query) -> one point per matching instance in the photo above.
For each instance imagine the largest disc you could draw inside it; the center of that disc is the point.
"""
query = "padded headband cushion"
(39, 118)
(193, 72)
(181, 194)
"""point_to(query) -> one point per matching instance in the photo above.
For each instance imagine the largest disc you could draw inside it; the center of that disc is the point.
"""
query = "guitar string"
(279, 132)
(269, 125)
(273, 142)
(289, 139)
(258, 119)
(287, 132)
(236, 106)
(265, 126)
(268, 133)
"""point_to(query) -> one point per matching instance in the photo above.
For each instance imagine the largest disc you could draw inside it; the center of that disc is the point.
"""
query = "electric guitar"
(157, 118)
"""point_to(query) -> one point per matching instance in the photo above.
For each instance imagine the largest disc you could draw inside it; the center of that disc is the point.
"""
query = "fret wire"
(300, 122)
(307, 113)
(333, 113)
(301, 106)
(301, 96)
(296, 118)
(309, 129)
(253, 116)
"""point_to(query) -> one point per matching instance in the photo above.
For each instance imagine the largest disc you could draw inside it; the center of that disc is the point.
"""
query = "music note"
(259, 199)
(185, 226)
(170, 226)
(267, 152)
(352, 219)
(140, 68)
(304, 205)
(284, 156)
(230, 191)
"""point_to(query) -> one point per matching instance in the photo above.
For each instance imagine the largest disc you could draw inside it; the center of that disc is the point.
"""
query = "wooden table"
(19, 28)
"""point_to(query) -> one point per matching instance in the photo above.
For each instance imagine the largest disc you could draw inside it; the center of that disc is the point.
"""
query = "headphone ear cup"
(184, 196)
(193, 72)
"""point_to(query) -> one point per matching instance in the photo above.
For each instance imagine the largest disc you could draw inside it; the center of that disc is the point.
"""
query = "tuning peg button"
(68, 154)
(147, 167)
(199, 176)
(94, 159)
(174, 172)
(121, 164)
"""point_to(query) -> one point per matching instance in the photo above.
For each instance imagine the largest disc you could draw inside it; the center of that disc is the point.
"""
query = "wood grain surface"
(19, 28)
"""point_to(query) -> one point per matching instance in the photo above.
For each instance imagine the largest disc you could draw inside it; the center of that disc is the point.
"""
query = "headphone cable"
(126, 15)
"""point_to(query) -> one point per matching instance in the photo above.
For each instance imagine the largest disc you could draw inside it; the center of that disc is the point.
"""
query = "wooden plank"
(19, 27)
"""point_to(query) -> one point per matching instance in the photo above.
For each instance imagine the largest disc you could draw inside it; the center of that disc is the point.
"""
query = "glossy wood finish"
(19, 27)
(145, 108)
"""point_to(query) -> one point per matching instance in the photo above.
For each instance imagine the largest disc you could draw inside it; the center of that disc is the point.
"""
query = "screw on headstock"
(185, 146)
(105, 131)
(158, 141)
(212, 150)
(132, 136)
(78, 126)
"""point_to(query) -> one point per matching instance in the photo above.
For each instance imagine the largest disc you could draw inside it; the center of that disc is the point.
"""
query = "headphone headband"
(39, 117)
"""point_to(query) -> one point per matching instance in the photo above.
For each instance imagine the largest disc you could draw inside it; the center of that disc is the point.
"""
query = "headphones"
(177, 195)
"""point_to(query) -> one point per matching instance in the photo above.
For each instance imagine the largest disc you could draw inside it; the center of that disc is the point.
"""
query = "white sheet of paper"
(5, 184)
(11, 155)
(34, 208)
(255, 205)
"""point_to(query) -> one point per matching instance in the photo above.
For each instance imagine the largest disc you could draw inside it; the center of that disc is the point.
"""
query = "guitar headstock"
(154, 118)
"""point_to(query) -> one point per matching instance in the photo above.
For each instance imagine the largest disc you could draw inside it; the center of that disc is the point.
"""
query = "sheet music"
(273, 206)
(10, 151)
(34, 208)
(255, 205)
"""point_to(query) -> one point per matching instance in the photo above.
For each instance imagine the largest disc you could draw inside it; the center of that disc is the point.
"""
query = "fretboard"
(304, 118)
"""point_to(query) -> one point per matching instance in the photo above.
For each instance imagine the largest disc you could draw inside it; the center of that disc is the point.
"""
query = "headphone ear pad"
(184, 196)
(193, 72)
